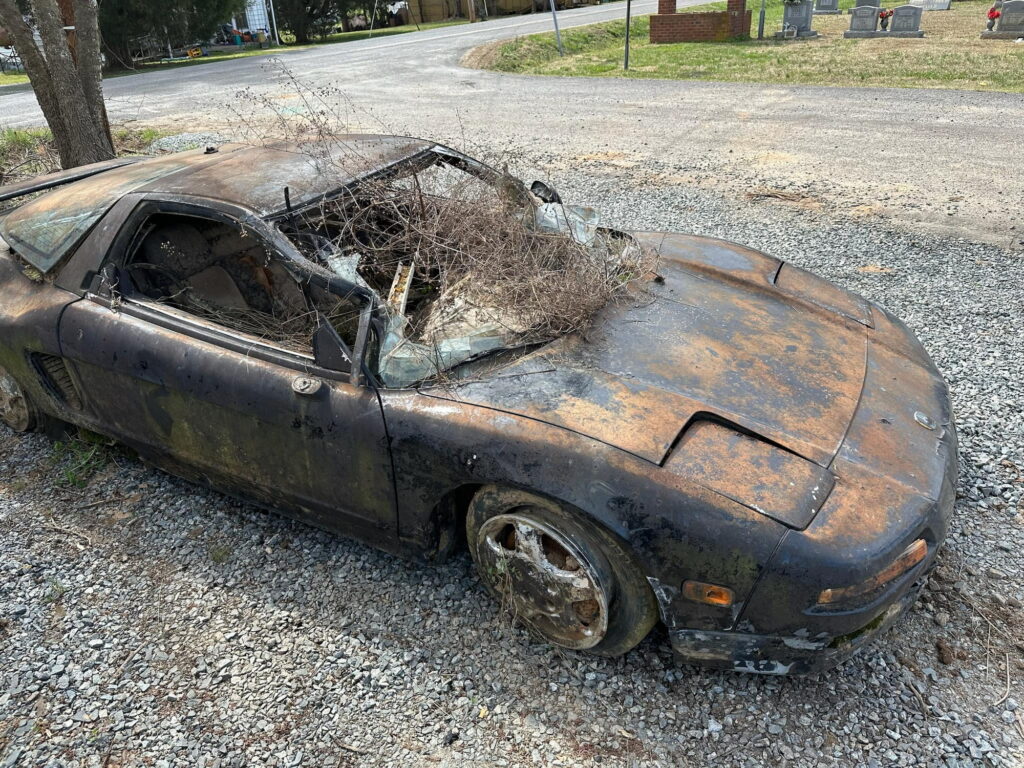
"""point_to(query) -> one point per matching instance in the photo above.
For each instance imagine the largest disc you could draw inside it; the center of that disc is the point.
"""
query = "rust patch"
(763, 477)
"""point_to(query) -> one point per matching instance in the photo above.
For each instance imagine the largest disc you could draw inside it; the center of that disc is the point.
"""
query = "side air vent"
(57, 380)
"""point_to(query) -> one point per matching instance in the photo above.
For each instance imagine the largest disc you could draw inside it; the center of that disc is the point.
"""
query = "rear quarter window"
(45, 229)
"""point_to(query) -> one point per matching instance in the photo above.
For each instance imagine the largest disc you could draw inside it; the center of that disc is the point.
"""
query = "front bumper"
(896, 477)
(779, 655)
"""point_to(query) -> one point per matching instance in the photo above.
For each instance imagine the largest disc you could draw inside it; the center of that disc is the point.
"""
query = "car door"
(199, 397)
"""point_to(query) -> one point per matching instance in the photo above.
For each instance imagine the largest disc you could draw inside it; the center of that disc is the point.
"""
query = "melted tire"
(632, 609)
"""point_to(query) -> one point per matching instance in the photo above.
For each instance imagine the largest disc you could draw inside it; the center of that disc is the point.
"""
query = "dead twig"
(1006, 693)
(104, 502)
(127, 661)
(991, 624)
(68, 532)
(771, 192)
(350, 748)
(920, 699)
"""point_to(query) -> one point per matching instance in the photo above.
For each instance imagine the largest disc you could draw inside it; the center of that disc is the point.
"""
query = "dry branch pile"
(469, 263)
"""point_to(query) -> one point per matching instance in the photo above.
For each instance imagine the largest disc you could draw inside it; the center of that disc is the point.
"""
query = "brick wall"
(667, 26)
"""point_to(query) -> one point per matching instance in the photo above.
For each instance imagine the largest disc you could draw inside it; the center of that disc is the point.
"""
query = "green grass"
(13, 78)
(76, 461)
(28, 153)
(210, 58)
(17, 78)
(25, 153)
(55, 591)
(951, 55)
(220, 553)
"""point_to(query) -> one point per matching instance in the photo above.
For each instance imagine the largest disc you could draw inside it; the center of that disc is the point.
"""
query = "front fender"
(676, 529)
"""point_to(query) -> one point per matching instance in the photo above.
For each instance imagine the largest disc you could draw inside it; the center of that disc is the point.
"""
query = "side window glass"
(226, 275)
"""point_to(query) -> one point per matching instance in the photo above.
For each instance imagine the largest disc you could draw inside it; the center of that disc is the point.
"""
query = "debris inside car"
(464, 260)
(212, 270)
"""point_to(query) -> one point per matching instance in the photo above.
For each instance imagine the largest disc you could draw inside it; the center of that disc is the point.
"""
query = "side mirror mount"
(109, 282)
(329, 350)
(545, 192)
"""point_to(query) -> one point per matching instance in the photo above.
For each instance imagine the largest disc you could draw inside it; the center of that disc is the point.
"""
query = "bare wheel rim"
(14, 410)
(544, 579)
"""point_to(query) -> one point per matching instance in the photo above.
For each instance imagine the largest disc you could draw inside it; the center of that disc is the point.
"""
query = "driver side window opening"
(225, 274)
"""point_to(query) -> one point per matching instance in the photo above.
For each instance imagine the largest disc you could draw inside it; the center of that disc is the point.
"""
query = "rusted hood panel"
(715, 336)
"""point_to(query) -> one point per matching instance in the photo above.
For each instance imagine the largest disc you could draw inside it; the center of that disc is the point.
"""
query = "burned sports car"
(390, 340)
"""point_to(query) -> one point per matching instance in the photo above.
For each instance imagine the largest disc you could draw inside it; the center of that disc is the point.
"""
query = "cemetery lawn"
(951, 55)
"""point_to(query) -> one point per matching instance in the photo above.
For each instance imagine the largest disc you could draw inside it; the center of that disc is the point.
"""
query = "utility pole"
(558, 32)
(273, 23)
(373, 19)
(629, 3)
(760, 22)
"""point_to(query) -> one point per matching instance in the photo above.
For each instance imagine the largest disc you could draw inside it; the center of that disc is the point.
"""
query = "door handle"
(305, 385)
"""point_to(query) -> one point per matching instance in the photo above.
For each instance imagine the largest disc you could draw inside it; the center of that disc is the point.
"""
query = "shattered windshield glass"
(464, 261)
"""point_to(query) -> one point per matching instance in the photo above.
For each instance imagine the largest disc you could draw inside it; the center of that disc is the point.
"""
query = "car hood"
(722, 331)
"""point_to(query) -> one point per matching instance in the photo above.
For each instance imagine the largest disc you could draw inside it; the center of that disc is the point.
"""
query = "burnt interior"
(225, 274)
(372, 230)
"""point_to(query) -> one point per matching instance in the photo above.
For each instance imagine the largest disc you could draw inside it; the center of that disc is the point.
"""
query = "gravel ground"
(146, 621)
(179, 142)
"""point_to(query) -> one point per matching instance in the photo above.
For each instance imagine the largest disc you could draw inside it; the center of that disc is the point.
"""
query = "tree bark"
(90, 62)
(70, 98)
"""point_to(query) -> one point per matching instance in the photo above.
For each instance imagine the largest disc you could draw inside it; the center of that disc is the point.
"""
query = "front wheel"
(16, 410)
(566, 578)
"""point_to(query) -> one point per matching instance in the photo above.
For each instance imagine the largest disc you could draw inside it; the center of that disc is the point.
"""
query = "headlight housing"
(910, 557)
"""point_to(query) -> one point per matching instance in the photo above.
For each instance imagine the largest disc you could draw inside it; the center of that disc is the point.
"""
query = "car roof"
(45, 229)
(256, 177)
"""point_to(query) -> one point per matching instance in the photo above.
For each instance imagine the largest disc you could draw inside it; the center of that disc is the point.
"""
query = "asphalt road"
(933, 159)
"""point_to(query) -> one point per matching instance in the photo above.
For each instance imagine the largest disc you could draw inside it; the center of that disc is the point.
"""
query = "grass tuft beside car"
(385, 338)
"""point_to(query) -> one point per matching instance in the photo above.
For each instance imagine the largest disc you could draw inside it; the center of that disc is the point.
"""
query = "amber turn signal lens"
(910, 557)
(711, 594)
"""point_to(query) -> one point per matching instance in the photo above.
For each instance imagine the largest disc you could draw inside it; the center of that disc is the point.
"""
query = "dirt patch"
(483, 56)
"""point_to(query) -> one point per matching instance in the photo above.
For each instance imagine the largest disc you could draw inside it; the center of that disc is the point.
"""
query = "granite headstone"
(798, 16)
(863, 21)
(906, 22)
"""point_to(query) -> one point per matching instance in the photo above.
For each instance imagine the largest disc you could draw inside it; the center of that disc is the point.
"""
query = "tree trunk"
(90, 62)
(69, 92)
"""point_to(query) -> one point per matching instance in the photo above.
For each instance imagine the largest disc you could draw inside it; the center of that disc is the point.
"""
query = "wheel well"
(449, 517)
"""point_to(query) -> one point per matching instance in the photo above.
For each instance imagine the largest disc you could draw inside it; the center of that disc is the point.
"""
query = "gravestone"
(931, 5)
(826, 6)
(798, 17)
(905, 22)
(1010, 24)
(863, 22)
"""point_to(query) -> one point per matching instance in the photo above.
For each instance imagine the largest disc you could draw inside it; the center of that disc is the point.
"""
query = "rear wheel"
(566, 578)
